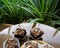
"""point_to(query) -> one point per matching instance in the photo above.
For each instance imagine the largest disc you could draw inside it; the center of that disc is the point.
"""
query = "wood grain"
(2, 39)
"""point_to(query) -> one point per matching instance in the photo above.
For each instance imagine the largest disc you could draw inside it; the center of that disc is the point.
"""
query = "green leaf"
(57, 11)
(43, 5)
(26, 9)
(6, 2)
(51, 15)
(35, 20)
(53, 6)
(38, 12)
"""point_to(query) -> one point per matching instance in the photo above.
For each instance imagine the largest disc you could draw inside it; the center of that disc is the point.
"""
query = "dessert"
(20, 33)
(11, 43)
(36, 33)
(36, 44)
(30, 44)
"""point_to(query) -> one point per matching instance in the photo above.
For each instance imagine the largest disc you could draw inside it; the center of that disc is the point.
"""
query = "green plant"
(10, 13)
(43, 11)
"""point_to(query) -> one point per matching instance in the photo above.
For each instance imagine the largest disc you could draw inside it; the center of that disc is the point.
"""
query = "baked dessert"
(20, 33)
(36, 44)
(30, 44)
(36, 33)
(11, 43)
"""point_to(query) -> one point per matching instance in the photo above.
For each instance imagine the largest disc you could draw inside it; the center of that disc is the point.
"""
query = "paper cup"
(4, 43)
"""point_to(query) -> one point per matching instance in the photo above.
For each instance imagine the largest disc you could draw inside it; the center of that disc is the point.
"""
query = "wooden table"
(48, 32)
(2, 39)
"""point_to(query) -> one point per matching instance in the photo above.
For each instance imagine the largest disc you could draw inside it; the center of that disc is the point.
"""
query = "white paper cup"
(33, 42)
(4, 43)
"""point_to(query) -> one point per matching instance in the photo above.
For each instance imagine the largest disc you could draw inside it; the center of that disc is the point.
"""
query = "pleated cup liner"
(39, 45)
(33, 42)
